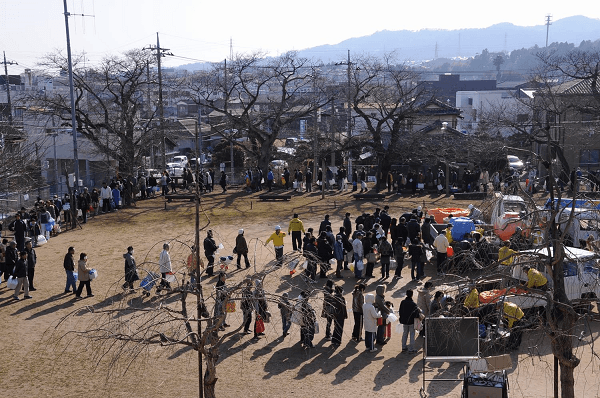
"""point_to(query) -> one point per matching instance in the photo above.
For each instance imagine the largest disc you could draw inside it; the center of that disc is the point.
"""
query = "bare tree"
(262, 97)
(111, 101)
(387, 98)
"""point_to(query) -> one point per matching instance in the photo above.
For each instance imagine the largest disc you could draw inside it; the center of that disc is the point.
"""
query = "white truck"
(581, 274)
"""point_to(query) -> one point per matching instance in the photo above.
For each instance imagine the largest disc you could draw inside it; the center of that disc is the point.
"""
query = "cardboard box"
(484, 392)
(499, 362)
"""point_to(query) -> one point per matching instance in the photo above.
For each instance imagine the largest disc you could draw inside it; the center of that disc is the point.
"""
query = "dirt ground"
(34, 364)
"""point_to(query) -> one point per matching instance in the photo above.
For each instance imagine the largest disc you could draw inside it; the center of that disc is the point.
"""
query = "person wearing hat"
(296, 229)
(20, 273)
(131, 274)
(277, 239)
(535, 279)
(210, 248)
(241, 249)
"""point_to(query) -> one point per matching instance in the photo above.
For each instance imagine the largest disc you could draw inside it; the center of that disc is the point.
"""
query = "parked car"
(508, 213)
(181, 160)
(514, 163)
(175, 169)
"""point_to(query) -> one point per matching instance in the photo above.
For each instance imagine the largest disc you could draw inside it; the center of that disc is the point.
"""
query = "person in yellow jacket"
(535, 279)
(449, 233)
(296, 228)
(472, 299)
(512, 313)
(277, 238)
(506, 255)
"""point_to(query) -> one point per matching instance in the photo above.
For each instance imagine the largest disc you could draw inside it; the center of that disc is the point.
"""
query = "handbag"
(371, 257)
(380, 321)
(418, 324)
(260, 325)
(230, 306)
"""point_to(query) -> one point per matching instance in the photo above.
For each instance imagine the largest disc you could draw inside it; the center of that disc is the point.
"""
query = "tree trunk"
(210, 376)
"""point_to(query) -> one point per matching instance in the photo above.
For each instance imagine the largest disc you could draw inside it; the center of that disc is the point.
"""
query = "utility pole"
(548, 27)
(160, 52)
(73, 121)
(10, 118)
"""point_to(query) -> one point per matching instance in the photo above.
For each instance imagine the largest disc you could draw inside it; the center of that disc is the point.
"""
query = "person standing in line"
(327, 312)
(408, 312)
(11, 256)
(347, 224)
(296, 229)
(223, 181)
(308, 321)
(338, 254)
(340, 313)
(277, 238)
(247, 305)
(309, 180)
(106, 195)
(370, 316)
(384, 310)
(385, 251)
(130, 269)
(441, 245)
(20, 273)
(31, 261)
(69, 265)
(416, 250)
(363, 180)
(164, 263)
(19, 227)
(241, 249)
(357, 247)
(210, 248)
(211, 173)
(83, 274)
(270, 178)
(358, 299)
(285, 308)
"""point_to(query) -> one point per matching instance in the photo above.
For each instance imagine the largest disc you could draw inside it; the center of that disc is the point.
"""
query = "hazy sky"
(202, 30)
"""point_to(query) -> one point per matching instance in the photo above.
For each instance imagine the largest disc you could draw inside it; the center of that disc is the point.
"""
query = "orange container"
(450, 251)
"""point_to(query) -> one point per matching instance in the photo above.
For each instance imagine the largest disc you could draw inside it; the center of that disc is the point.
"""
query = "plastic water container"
(461, 226)
(170, 277)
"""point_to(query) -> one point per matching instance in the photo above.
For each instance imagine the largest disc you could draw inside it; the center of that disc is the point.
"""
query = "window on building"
(470, 101)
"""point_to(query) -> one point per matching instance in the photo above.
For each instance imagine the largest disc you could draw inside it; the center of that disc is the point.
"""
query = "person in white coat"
(370, 315)
(165, 266)
(357, 248)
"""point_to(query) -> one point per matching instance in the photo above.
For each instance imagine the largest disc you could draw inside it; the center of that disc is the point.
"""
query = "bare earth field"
(34, 363)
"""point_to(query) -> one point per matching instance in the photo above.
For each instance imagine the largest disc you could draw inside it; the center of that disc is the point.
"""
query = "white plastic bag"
(93, 274)
(11, 283)
(392, 317)
(305, 265)
(399, 329)
(360, 265)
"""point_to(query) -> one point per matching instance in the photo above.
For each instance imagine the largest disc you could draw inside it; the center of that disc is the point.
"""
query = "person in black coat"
(325, 253)
(21, 274)
(223, 181)
(309, 180)
(31, 261)
(385, 220)
(402, 230)
(408, 312)
(69, 265)
(19, 227)
(347, 226)
(340, 313)
(210, 247)
(414, 228)
(131, 274)
(324, 224)
(10, 259)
